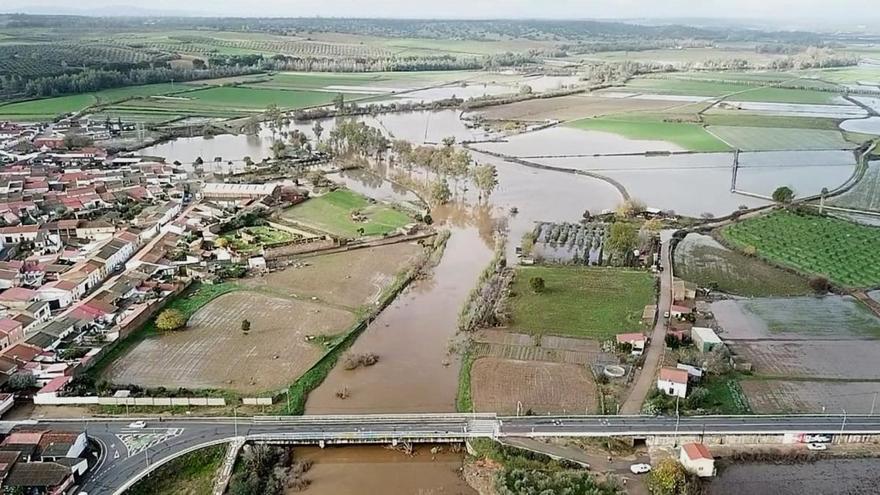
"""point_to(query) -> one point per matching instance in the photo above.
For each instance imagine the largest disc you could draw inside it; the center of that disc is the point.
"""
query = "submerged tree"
(783, 194)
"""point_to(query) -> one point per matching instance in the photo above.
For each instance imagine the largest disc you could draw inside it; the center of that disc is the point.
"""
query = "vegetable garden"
(570, 242)
(844, 252)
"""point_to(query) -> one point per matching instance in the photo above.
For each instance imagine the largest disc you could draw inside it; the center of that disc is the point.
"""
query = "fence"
(48, 400)
(257, 401)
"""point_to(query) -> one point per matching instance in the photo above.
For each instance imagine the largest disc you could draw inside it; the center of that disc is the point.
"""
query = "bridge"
(129, 454)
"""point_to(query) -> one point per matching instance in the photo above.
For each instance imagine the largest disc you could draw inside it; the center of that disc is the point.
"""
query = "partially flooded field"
(819, 359)
(850, 476)
(562, 141)
(701, 259)
(810, 317)
(865, 195)
(870, 125)
(805, 396)
(372, 469)
(570, 108)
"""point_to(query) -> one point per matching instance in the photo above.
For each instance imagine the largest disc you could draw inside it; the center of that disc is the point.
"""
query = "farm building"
(705, 339)
(673, 381)
(636, 340)
(676, 311)
(229, 192)
(696, 459)
(683, 291)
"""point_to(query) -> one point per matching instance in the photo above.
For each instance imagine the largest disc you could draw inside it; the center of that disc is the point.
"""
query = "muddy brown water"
(849, 476)
(416, 371)
(368, 469)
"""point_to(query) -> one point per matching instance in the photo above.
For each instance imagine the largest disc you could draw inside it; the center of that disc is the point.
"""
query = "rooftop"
(674, 375)
(696, 451)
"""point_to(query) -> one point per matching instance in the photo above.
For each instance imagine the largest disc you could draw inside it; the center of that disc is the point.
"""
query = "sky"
(782, 10)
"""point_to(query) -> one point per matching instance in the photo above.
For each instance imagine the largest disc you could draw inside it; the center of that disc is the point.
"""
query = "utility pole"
(843, 424)
(677, 419)
(235, 420)
(873, 403)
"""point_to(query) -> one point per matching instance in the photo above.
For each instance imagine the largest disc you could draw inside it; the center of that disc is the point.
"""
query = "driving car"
(138, 424)
(640, 468)
(817, 446)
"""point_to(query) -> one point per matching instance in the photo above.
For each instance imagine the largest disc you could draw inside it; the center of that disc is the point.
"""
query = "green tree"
(537, 285)
(339, 102)
(668, 478)
(170, 319)
(279, 149)
(486, 179)
(528, 243)
(317, 177)
(440, 192)
(22, 381)
(318, 129)
(783, 194)
(622, 238)
(252, 126)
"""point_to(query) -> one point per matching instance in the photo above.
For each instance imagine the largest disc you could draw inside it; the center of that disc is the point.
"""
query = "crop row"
(571, 234)
(55, 58)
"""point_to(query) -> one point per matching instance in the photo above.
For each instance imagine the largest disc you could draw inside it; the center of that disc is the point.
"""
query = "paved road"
(646, 378)
(128, 452)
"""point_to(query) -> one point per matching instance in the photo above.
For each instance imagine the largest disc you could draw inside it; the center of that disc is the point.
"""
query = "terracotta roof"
(57, 384)
(8, 325)
(18, 294)
(24, 438)
(696, 451)
(20, 229)
(674, 375)
(630, 337)
(22, 352)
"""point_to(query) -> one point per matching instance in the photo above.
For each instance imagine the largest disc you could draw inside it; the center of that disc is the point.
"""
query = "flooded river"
(362, 470)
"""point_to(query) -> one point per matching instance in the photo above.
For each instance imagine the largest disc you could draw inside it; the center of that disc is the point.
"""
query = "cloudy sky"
(830, 10)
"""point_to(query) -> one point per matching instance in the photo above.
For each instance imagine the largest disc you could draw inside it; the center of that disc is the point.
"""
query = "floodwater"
(374, 185)
(370, 469)
(871, 101)
(871, 125)
(797, 109)
(416, 371)
(417, 127)
(560, 141)
(806, 172)
(850, 476)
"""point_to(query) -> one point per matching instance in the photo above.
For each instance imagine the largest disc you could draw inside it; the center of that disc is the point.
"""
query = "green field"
(730, 89)
(580, 301)
(718, 117)
(332, 213)
(702, 260)
(844, 252)
(688, 136)
(769, 138)
(865, 195)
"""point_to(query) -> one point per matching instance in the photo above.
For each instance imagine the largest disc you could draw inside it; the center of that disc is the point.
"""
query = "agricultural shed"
(697, 459)
(705, 339)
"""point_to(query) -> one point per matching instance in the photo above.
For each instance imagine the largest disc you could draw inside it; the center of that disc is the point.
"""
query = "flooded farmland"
(360, 470)
(871, 125)
(850, 476)
(562, 141)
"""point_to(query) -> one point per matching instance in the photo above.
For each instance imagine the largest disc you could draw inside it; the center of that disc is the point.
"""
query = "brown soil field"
(347, 279)
(522, 347)
(818, 359)
(783, 397)
(498, 384)
(213, 352)
(571, 108)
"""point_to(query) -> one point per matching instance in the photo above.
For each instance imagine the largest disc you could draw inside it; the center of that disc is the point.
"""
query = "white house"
(673, 381)
(59, 293)
(696, 459)
(636, 340)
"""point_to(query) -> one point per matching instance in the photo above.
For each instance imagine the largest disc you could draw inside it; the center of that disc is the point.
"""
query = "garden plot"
(213, 352)
(804, 396)
(564, 243)
(499, 385)
(702, 260)
(348, 279)
(844, 252)
(829, 359)
(770, 138)
(796, 318)
(522, 347)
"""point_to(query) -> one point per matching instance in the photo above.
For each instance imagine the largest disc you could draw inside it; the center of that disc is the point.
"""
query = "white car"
(817, 439)
(640, 468)
(817, 446)
(138, 424)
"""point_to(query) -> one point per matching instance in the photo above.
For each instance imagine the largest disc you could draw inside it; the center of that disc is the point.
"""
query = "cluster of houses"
(39, 460)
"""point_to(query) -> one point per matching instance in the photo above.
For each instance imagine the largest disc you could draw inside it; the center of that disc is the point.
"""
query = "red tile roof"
(674, 375)
(18, 294)
(630, 337)
(696, 451)
(55, 385)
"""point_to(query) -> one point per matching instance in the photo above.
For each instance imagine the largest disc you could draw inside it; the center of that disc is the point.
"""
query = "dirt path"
(645, 379)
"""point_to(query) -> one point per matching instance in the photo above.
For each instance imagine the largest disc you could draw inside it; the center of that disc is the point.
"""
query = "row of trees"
(444, 164)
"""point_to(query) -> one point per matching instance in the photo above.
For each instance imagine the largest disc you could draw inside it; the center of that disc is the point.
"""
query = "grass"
(332, 213)
(768, 138)
(688, 136)
(732, 90)
(580, 301)
(752, 120)
(725, 396)
(191, 474)
(263, 235)
(844, 252)
(464, 401)
(709, 264)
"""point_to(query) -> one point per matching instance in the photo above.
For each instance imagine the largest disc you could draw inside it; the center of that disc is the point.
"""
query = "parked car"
(138, 424)
(817, 439)
(817, 446)
(640, 468)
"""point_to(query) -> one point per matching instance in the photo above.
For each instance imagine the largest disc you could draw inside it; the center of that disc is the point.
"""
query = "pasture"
(213, 352)
(336, 212)
(688, 136)
(842, 251)
(498, 385)
(729, 89)
(769, 138)
(582, 302)
(702, 260)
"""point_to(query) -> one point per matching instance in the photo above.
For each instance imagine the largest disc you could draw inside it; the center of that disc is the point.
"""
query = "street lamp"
(843, 424)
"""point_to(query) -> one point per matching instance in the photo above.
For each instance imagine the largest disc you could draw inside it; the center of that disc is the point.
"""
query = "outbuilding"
(705, 339)
(673, 381)
(696, 459)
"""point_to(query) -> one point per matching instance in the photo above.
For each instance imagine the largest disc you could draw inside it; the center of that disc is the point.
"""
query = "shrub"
(170, 319)
(537, 284)
(783, 194)
(820, 285)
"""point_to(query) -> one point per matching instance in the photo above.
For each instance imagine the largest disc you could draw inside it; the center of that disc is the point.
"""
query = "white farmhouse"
(673, 381)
